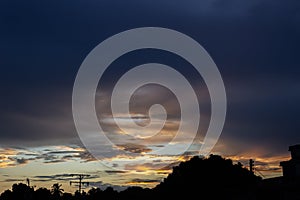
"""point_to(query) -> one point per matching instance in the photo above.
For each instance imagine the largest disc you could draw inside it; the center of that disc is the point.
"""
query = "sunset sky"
(255, 45)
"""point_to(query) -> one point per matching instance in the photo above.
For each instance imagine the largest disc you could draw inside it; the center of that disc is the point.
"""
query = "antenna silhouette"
(80, 183)
(251, 165)
(253, 169)
(28, 182)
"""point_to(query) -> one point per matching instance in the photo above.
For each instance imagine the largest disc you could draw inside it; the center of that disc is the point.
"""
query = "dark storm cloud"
(138, 180)
(254, 43)
(16, 156)
(13, 180)
(134, 148)
(69, 155)
(64, 156)
(85, 156)
(103, 186)
(19, 161)
(60, 177)
(115, 171)
(160, 167)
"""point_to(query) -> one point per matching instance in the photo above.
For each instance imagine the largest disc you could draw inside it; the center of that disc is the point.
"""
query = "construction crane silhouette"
(80, 183)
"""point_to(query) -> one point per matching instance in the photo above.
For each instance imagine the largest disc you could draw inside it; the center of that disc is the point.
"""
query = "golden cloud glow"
(6, 157)
(264, 166)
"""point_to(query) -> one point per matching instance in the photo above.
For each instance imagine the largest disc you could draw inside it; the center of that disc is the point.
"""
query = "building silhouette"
(291, 168)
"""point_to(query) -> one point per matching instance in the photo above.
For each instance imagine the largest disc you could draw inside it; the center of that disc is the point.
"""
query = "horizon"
(264, 167)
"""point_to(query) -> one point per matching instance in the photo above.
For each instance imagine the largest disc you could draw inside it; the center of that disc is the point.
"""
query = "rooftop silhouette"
(291, 168)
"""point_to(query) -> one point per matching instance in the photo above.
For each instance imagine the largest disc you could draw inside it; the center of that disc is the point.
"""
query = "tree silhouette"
(56, 191)
(213, 173)
(22, 192)
(6, 195)
(95, 193)
(67, 196)
(42, 193)
(109, 193)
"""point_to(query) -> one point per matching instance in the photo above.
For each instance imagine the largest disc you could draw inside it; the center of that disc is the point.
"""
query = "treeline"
(21, 191)
(200, 178)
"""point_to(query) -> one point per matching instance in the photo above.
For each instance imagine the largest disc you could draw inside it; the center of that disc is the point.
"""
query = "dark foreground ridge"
(199, 178)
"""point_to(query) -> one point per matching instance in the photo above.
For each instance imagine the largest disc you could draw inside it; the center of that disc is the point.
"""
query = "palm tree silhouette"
(56, 190)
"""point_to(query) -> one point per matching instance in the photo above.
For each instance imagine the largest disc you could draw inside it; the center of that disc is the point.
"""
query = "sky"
(255, 45)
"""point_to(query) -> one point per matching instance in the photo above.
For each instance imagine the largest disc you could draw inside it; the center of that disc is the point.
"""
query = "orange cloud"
(7, 157)
(266, 167)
